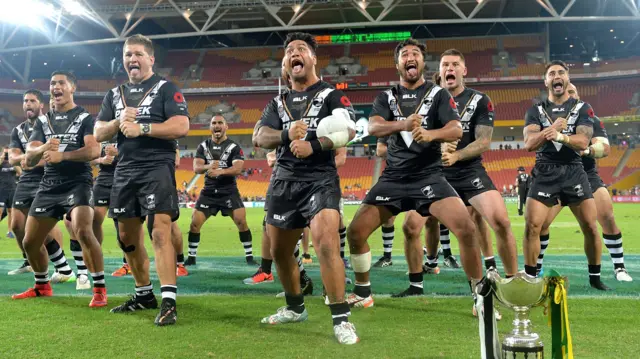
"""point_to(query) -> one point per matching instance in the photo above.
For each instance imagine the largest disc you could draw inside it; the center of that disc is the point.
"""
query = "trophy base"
(511, 352)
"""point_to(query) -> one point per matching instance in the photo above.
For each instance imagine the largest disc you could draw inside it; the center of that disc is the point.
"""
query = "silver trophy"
(520, 293)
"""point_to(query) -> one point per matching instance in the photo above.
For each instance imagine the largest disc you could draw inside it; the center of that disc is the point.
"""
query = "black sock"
(594, 272)
(490, 262)
(508, 276)
(362, 290)
(56, 255)
(445, 241)
(144, 291)
(340, 312)
(124, 260)
(387, 240)
(432, 261)
(343, 240)
(194, 242)
(24, 255)
(266, 265)
(295, 302)
(544, 243)
(180, 259)
(415, 282)
(613, 242)
(245, 238)
(530, 270)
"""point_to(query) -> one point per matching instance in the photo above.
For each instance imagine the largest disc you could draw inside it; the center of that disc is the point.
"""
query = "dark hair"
(303, 36)
(139, 39)
(453, 52)
(68, 74)
(554, 63)
(410, 42)
(35, 93)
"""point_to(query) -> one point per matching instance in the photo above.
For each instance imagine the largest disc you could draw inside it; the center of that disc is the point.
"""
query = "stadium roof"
(82, 22)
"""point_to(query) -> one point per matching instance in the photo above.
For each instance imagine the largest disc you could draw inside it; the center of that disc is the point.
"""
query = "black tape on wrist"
(316, 146)
(284, 137)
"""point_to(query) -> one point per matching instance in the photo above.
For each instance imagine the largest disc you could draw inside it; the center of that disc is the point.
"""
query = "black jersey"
(576, 112)
(19, 139)
(225, 152)
(70, 128)
(589, 163)
(157, 100)
(7, 175)
(312, 105)
(406, 158)
(475, 109)
(105, 173)
(522, 180)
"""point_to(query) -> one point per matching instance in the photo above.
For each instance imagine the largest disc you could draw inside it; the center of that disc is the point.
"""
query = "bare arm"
(199, 167)
(381, 150)
(18, 170)
(234, 170)
(35, 150)
(533, 138)
(15, 156)
(480, 145)
(452, 131)
(341, 157)
(89, 152)
(104, 131)
(271, 158)
(580, 141)
(172, 129)
(266, 137)
(379, 127)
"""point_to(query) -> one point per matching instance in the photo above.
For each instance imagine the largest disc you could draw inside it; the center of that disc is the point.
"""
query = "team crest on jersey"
(393, 105)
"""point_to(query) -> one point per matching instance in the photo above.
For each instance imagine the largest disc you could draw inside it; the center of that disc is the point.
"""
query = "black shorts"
(142, 192)
(6, 197)
(102, 194)
(594, 180)
(293, 204)
(565, 183)
(225, 203)
(56, 199)
(24, 195)
(470, 183)
(402, 196)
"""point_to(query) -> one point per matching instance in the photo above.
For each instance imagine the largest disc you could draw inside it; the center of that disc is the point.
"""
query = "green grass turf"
(219, 317)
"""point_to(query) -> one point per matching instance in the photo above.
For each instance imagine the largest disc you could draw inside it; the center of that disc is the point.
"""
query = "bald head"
(573, 91)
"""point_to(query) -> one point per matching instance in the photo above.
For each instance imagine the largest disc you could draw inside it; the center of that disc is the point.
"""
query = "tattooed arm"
(533, 137)
(474, 149)
(580, 141)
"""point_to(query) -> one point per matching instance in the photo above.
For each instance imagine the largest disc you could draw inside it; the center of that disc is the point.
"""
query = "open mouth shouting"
(297, 65)
(57, 94)
(134, 69)
(412, 69)
(217, 131)
(450, 79)
(558, 86)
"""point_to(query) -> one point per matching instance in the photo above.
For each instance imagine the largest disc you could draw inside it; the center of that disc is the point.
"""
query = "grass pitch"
(219, 317)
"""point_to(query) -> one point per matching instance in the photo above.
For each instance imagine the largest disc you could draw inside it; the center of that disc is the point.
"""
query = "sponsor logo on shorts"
(579, 190)
(119, 210)
(17, 203)
(382, 199)
(312, 201)
(228, 202)
(70, 199)
(203, 206)
(477, 183)
(545, 195)
(428, 192)
(1, 204)
(279, 217)
(151, 201)
(41, 210)
(102, 201)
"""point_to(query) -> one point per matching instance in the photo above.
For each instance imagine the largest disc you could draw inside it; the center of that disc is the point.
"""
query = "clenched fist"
(413, 121)
(52, 157)
(128, 114)
(298, 130)
(130, 129)
(301, 148)
(54, 144)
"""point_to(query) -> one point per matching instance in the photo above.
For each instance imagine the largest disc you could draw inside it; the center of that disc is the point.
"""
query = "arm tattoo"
(531, 129)
(586, 131)
(480, 145)
(326, 143)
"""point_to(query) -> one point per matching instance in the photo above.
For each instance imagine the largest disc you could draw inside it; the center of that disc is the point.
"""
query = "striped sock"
(387, 240)
(544, 243)
(416, 280)
(445, 241)
(194, 242)
(245, 238)
(169, 292)
(180, 259)
(613, 242)
(432, 262)
(98, 280)
(343, 240)
(340, 312)
(594, 272)
(295, 302)
(490, 262)
(56, 256)
(296, 254)
(76, 251)
(144, 291)
(41, 277)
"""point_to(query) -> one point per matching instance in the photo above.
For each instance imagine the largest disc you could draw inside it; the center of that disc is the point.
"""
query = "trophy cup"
(520, 293)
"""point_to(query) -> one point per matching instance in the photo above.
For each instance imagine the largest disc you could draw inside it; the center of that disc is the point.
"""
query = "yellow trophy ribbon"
(561, 343)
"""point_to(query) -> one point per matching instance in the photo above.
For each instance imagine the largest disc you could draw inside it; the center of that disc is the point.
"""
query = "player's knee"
(354, 237)
(466, 232)
(532, 229)
(194, 227)
(411, 231)
(241, 224)
(502, 224)
(84, 233)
